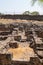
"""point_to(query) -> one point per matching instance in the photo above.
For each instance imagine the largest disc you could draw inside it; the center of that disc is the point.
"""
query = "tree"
(31, 13)
(33, 1)
(0, 13)
(35, 13)
(26, 13)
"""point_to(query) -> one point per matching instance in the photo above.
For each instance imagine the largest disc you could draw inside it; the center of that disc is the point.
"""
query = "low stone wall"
(13, 45)
(5, 59)
(33, 61)
(28, 17)
(21, 63)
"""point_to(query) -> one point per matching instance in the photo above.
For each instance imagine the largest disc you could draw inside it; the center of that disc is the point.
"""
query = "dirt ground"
(22, 53)
(7, 21)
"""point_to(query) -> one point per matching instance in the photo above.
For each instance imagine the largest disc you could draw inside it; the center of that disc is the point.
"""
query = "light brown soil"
(22, 53)
(7, 21)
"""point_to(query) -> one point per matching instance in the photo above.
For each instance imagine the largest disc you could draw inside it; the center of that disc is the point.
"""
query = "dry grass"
(7, 21)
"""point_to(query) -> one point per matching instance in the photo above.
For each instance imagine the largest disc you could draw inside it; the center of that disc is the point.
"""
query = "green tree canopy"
(1, 14)
(31, 13)
(33, 1)
(35, 13)
(26, 13)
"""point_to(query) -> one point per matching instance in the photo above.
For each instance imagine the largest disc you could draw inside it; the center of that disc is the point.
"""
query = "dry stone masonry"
(25, 39)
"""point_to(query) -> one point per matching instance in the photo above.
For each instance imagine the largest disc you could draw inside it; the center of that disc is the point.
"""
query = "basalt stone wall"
(5, 59)
(21, 63)
(33, 61)
(28, 17)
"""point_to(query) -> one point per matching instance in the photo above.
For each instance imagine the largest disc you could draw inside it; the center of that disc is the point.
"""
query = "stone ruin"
(16, 35)
(5, 59)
